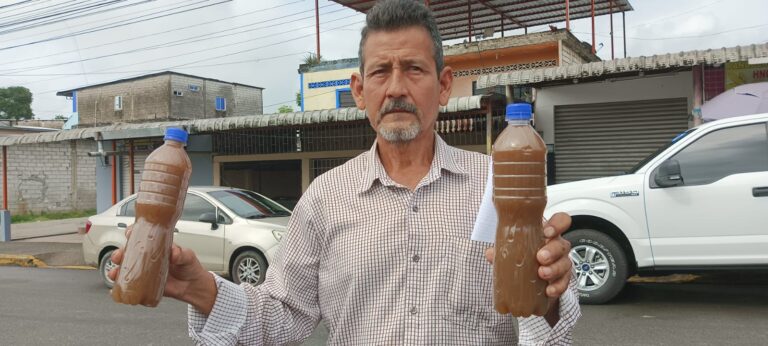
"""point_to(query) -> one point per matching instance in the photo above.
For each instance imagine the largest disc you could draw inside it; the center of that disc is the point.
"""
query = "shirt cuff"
(537, 331)
(222, 326)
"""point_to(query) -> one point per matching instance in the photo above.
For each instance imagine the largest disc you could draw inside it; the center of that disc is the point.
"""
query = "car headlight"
(278, 234)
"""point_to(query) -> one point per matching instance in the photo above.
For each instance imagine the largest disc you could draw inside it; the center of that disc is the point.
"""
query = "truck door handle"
(761, 191)
(122, 225)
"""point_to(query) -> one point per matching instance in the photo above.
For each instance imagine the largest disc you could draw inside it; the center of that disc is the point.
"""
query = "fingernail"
(545, 255)
(546, 271)
(549, 232)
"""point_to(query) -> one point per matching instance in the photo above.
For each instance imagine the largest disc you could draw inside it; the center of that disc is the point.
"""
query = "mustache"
(398, 104)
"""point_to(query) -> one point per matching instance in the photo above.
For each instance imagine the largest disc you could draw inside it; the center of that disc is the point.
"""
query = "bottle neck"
(518, 122)
(174, 143)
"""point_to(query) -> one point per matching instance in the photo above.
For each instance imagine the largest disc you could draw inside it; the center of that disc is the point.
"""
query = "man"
(379, 247)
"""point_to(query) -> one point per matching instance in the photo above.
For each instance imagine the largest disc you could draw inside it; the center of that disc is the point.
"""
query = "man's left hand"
(554, 264)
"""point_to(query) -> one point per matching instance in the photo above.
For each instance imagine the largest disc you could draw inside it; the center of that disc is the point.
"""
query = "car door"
(204, 238)
(716, 215)
(126, 215)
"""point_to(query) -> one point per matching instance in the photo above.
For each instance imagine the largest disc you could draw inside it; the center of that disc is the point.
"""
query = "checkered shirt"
(381, 265)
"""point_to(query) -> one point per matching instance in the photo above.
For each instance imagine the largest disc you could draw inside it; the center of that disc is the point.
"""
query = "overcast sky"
(263, 42)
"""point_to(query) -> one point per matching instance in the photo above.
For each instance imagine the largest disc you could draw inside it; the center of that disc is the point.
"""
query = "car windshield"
(642, 162)
(249, 205)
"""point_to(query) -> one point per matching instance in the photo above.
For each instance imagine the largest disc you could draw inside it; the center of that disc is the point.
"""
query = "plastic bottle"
(163, 188)
(519, 195)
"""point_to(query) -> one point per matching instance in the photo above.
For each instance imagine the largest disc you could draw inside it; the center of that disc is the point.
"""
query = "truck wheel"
(599, 263)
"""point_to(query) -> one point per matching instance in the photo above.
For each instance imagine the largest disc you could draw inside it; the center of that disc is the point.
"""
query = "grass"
(51, 216)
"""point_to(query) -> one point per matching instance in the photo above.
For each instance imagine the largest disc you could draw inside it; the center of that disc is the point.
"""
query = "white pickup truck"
(699, 203)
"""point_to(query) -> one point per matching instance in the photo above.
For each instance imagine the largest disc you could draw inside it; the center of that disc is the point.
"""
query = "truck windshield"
(642, 162)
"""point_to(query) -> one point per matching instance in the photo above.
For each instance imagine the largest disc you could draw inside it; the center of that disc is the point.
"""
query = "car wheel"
(599, 263)
(105, 265)
(250, 267)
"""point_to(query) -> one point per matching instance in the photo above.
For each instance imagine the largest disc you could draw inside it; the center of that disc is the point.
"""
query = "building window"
(178, 93)
(194, 88)
(118, 103)
(344, 98)
(499, 89)
(221, 104)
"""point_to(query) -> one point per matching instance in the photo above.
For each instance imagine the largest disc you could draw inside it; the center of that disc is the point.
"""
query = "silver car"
(234, 232)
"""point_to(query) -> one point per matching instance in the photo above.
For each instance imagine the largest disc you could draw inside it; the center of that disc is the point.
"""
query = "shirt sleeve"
(284, 309)
(537, 331)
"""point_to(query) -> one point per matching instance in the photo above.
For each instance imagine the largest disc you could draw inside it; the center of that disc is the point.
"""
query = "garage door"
(604, 139)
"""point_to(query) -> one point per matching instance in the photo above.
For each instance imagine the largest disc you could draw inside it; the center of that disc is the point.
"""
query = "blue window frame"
(221, 104)
(339, 102)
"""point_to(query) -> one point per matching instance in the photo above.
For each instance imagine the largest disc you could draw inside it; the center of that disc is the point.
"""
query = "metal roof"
(453, 16)
(69, 92)
(625, 65)
(156, 129)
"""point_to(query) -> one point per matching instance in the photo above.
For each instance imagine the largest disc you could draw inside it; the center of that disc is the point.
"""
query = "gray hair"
(390, 15)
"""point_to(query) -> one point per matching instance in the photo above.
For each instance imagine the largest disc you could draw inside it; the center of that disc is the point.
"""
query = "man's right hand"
(187, 280)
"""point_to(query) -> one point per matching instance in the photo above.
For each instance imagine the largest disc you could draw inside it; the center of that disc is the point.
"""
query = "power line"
(15, 4)
(698, 8)
(153, 9)
(174, 43)
(97, 29)
(201, 60)
(63, 18)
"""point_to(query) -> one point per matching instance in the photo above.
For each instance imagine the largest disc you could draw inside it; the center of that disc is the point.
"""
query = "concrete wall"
(241, 100)
(191, 105)
(144, 99)
(637, 88)
(51, 177)
(248, 101)
(325, 97)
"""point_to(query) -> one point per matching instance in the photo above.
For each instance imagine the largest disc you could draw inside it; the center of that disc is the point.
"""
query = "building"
(602, 118)
(10, 127)
(162, 96)
(326, 85)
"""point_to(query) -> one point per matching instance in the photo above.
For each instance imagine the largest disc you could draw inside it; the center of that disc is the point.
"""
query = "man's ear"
(357, 90)
(446, 84)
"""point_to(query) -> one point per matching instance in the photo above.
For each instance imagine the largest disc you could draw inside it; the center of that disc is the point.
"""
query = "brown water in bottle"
(163, 188)
(519, 195)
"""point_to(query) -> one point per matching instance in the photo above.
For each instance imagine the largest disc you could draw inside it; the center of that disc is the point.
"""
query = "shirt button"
(415, 258)
(415, 209)
(414, 310)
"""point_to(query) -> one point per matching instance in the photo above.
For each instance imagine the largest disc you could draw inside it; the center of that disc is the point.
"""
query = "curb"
(21, 261)
(34, 262)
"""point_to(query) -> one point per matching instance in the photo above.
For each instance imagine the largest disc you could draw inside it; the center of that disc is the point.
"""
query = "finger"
(553, 250)
(555, 271)
(176, 254)
(112, 274)
(489, 253)
(557, 288)
(117, 256)
(128, 231)
(557, 224)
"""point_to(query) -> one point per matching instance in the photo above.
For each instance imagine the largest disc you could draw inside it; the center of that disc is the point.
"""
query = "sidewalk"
(54, 243)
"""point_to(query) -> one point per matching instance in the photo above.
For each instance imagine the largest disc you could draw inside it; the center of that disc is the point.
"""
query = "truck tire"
(599, 263)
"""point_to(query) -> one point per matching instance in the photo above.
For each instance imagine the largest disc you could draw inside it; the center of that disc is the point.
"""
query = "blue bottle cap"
(176, 134)
(519, 111)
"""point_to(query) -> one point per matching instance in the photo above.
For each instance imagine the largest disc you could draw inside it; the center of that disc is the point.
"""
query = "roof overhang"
(601, 70)
(454, 16)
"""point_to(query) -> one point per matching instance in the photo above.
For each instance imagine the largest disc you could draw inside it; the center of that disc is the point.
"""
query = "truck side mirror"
(668, 174)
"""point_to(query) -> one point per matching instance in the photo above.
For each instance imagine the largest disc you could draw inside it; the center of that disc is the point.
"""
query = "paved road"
(731, 313)
(72, 307)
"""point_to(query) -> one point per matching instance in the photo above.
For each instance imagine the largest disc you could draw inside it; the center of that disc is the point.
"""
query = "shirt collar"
(444, 159)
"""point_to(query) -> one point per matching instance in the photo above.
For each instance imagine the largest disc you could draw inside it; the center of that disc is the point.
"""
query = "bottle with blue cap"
(519, 195)
(162, 191)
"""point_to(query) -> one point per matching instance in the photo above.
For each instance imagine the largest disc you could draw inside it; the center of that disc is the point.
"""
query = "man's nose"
(396, 87)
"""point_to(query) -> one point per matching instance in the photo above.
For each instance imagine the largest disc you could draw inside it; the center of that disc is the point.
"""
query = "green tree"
(298, 100)
(285, 109)
(60, 117)
(15, 103)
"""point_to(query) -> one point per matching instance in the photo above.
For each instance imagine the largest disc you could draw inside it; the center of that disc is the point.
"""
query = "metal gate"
(604, 139)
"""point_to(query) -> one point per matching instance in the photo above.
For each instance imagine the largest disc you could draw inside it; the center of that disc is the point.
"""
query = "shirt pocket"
(467, 287)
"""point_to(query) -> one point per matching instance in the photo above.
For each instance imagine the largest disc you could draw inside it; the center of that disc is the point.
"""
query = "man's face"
(399, 88)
